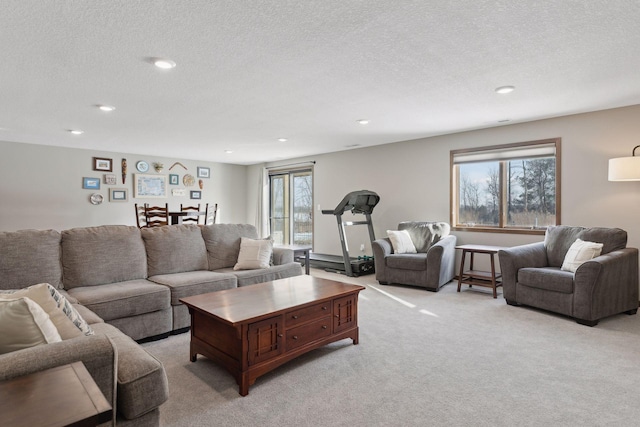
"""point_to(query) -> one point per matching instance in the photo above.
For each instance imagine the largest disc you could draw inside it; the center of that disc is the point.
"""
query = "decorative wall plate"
(188, 180)
(96, 199)
(142, 166)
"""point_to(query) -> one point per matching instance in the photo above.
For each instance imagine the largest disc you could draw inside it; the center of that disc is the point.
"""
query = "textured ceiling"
(250, 72)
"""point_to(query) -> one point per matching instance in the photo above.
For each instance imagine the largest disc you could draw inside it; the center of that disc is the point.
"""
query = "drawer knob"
(324, 308)
(336, 315)
(295, 316)
(295, 337)
(280, 335)
(324, 326)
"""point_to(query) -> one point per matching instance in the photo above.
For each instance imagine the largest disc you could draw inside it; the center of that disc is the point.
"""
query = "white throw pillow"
(401, 242)
(254, 254)
(579, 253)
(66, 318)
(24, 324)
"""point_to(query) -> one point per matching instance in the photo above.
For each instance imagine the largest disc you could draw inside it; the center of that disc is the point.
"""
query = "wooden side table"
(61, 396)
(489, 279)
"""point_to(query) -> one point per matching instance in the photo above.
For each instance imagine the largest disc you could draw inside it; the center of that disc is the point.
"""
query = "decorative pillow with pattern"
(66, 318)
(254, 254)
(401, 242)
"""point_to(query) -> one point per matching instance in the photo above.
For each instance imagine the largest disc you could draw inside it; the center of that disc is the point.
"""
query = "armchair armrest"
(96, 352)
(606, 285)
(282, 256)
(441, 258)
(513, 259)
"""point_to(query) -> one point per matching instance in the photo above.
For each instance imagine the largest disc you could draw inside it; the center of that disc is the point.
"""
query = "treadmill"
(358, 202)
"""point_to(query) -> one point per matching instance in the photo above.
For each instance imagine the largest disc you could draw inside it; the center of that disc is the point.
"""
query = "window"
(513, 187)
(291, 206)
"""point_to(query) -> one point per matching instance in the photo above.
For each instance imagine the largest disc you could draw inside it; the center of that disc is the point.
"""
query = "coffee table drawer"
(304, 334)
(297, 317)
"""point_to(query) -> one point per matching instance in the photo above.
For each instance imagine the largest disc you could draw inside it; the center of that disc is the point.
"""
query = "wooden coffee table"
(254, 329)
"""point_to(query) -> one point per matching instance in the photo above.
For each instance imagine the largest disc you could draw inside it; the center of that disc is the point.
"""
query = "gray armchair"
(604, 286)
(430, 268)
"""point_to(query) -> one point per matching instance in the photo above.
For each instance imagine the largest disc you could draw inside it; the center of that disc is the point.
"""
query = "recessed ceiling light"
(165, 64)
(282, 139)
(106, 108)
(505, 89)
(228, 151)
(76, 131)
(363, 121)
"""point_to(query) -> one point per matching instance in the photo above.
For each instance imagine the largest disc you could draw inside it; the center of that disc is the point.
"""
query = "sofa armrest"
(381, 248)
(96, 352)
(441, 259)
(282, 256)
(513, 259)
(606, 285)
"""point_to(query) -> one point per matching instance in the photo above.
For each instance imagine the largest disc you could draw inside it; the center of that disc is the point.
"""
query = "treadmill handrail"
(358, 202)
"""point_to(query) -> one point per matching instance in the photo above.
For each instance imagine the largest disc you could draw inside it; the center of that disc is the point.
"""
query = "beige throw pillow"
(401, 242)
(24, 324)
(66, 319)
(254, 254)
(579, 253)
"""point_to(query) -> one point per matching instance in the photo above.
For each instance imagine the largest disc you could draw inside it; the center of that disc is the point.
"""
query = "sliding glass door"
(291, 206)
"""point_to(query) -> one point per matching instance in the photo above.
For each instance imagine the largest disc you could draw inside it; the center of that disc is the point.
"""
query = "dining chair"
(210, 217)
(141, 217)
(190, 219)
(156, 216)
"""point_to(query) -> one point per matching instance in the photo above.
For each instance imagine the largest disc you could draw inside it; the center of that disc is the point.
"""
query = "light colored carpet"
(427, 359)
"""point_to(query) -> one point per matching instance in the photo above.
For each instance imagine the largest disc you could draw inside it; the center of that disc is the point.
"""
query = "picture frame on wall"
(197, 195)
(174, 179)
(118, 195)
(102, 164)
(203, 172)
(90, 183)
(149, 186)
(110, 179)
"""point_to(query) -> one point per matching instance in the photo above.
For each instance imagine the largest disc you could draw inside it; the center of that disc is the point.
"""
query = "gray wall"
(41, 187)
(412, 178)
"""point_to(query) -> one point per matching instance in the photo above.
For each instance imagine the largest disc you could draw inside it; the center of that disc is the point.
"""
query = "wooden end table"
(254, 329)
(489, 279)
(61, 396)
(299, 250)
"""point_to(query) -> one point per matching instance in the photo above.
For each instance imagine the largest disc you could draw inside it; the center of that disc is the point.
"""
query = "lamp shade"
(624, 169)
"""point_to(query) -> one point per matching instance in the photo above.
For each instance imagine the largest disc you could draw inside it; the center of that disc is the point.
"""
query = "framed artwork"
(149, 186)
(196, 195)
(118, 195)
(174, 179)
(102, 164)
(203, 172)
(110, 179)
(91, 183)
(178, 192)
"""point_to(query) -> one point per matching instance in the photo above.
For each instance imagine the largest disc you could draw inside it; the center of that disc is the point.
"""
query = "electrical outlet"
(361, 247)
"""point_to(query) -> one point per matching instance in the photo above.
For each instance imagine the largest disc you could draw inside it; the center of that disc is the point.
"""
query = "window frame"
(454, 187)
(288, 174)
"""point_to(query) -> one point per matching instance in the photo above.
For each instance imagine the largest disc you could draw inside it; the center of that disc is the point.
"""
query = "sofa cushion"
(62, 313)
(401, 242)
(123, 299)
(547, 278)
(194, 283)
(254, 254)
(579, 253)
(106, 254)
(414, 262)
(174, 249)
(223, 243)
(29, 257)
(142, 381)
(425, 234)
(251, 277)
(24, 324)
(613, 239)
(89, 316)
(557, 240)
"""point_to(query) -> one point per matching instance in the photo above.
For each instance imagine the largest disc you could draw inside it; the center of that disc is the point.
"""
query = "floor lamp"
(625, 168)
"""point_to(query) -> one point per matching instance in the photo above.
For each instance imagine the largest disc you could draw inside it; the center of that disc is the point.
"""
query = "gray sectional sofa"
(126, 283)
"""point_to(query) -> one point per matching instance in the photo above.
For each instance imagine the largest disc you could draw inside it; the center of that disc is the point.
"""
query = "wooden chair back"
(141, 217)
(212, 212)
(190, 219)
(156, 216)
